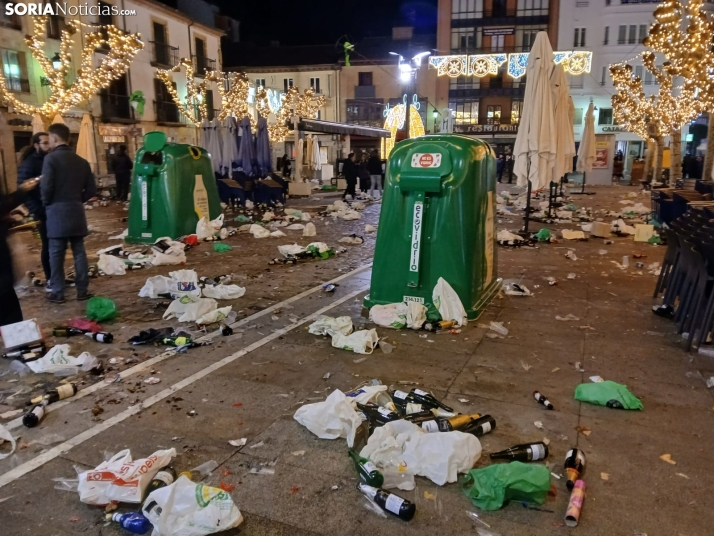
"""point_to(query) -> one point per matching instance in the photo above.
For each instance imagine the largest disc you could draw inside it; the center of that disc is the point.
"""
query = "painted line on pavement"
(37, 462)
(149, 363)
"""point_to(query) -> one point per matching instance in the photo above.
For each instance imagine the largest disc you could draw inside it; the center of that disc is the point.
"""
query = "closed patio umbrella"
(316, 159)
(85, 144)
(564, 138)
(586, 151)
(229, 152)
(262, 148)
(246, 151)
(38, 124)
(58, 119)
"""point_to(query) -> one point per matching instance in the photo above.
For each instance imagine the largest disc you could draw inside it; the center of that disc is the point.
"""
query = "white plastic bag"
(328, 325)
(330, 419)
(321, 246)
(354, 240)
(111, 265)
(305, 216)
(204, 229)
(258, 231)
(224, 292)
(120, 478)
(185, 508)
(216, 315)
(56, 359)
(267, 216)
(185, 283)
(277, 234)
(438, 457)
(190, 308)
(295, 227)
(359, 342)
(448, 303)
(288, 250)
(309, 229)
(161, 259)
(5, 435)
(416, 315)
(158, 284)
(392, 315)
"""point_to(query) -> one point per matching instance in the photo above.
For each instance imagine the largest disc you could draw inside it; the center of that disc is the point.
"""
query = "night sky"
(320, 22)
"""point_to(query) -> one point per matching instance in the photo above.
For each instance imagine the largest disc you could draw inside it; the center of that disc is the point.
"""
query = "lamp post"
(56, 62)
(407, 77)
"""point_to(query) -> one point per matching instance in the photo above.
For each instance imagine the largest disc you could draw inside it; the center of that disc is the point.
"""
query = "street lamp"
(407, 76)
(56, 62)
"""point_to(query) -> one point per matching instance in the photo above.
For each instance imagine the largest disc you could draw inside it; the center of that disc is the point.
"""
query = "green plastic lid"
(154, 141)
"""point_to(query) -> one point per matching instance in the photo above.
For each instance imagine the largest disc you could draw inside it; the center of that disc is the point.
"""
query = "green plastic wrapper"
(221, 248)
(242, 218)
(493, 486)
(101, 309)
(543, 235)
(610, 394)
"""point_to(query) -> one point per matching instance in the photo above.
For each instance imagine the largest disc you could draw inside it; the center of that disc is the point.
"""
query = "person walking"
(618, 167)
(10, 312)
(31, 168)
(285, 166)
(374, 165)
(363, 174)
(349, 170)
(122, 172)
(67, 183)
(509, 167)
(500, 164)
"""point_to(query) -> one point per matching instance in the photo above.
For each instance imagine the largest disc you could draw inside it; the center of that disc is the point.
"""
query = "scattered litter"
(571, 255)
(335, 487)
(567, 318)
(571, 276)
(463, 400)
(608, 393)
(5, 435)
(262, 471)
(326, 376)
(498, 328)
(309, 229)
(298, 453)
(573, 235)
(238, 442)
(682, 475)
(515, 289)
(605, 476)
(257, 445)
(538, 425)
(10, 414)
(526, 366)
(152, 380)
(583, 430)
(596, 379)
(710, 384)
(556, 369)
(330, 419)
(359, 360)
(370, 228)
(490, 487)
(667, 458)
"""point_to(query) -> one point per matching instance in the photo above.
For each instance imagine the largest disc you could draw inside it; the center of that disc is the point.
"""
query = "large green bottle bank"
(172, 186)
(437, 220)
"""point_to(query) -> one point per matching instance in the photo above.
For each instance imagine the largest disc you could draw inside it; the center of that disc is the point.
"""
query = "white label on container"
(415, 299)
(200, 197)
(420, 392)
(426, 160)
(145, 235)
(144, 201)
(369, 467)
(39, 411)
(430, 427)
(416, 236)
(165, 477)
(486, 427)
(413, 408)
(537, 452)
(400, 394)
(393, 504)
(65, 391)
(369, 491)
(384, 411)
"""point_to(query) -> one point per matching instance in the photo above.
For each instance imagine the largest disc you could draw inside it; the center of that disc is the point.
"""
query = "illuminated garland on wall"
(575, 62)
(234, 89)
(288, 104)
(395, 118)
(121, 48)
(193, 107)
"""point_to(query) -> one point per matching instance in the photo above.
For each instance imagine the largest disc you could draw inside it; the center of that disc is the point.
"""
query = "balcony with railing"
(491, 50)
(116, 108)
(201, 64)
(163, 55)
(167, 113)
(10, 21)
(17, 85)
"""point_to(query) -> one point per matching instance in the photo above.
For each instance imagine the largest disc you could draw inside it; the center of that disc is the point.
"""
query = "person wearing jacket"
(500, 164)
(363, 173)
(122, 172)
(349, 170)
(31, 168)
(374, 165)
(67, 183)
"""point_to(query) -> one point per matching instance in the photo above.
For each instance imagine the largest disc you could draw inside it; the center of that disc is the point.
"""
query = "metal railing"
(168, 112)
(115, 106)
(17, 85)
(164, 54)
(491, 50)
(502, 12)
(201, 64)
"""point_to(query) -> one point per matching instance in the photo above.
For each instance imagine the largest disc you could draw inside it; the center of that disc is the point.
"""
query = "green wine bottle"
(367, 471)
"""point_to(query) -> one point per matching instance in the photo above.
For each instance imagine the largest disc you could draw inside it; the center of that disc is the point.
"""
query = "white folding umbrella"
(58, 119)
(38, 124)
(316, 158)
(205, 134)
(308, 153)
(534, 150)
(229, 149)
(586, 151)
(298, 158)
(564, 138)
(85, 144)
(214, 145)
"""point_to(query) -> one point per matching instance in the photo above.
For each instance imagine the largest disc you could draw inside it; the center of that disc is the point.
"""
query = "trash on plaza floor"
(6, 436)
(238, 442)
(573, 235)
(328, 325)
(492, 487)
(206, 229)
(158, 286)
(223, 292)
(290, 250)
(498, 328)
(309, 229)
(296, 227)
(221, 248)
(152, 380)
(389, 502)
(607, 393)
(370, 228)
(111, 265)
(361, 342)
(258, 231)
(447, 301)
(150, 336)
(399, 315)
(331, 419)
(190, 509)
(543, 235)
(571, 255)
(59, 361)
(575, 505)
(574, 465)
(541, 399)
(100, 309)
(567, 318)
(507, 238)
(189, 308)
(527, 452)
(511, 288)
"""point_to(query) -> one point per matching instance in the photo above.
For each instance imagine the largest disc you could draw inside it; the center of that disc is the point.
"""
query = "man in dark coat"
(349, 170)
(31, 168)
(67, 183)
(500, 164)
(122, 172)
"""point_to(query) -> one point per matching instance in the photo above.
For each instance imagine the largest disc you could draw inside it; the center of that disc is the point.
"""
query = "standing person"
(10, 311)
(688, 166)
(500, 164)
(31, 168)
(374, 165)
(509, 167)
(618, 167)
(349, 170)
(285, 165)
(122, 171)
(67, 183)
(363, 173)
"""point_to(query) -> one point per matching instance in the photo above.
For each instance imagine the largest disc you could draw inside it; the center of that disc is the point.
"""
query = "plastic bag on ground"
(309, 229)
(161, 259)
(185, 508)
(189, 308)
(607, 393)
(288, 250)
(156, 285)
(5, 435)
(277, 234)
(448, 303)
(120, 478)
(320, 246)
(354, 240)
(416, 315)
(111, 265)
(330, 419)
(57, 359)
(214, 316)
(100, 309)
(328, 325)
(305, 216)
(295, 227)
(185, 283)
(359, 342)
(204, 229)
(370, 228)
(438, 457)
(224, 292)
(491, 487)
(508, 237)
(258, 231)
(392, 315)
(267, 216)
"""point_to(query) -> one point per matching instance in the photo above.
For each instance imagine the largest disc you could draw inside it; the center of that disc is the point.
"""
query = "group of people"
(504, 164)
(53, 183)
(369, 173)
